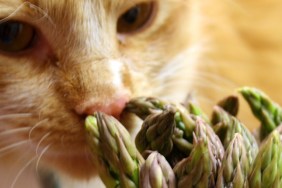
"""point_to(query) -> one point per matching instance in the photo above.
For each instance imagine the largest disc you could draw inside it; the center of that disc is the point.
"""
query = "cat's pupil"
(131, 15)
(135, 18)
(9, 32)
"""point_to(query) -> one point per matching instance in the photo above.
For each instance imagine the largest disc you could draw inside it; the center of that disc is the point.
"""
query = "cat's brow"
(126, 3)
(35, 2)
(22, 10)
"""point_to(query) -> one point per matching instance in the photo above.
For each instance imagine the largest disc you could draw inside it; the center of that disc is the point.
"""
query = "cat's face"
(61, 60)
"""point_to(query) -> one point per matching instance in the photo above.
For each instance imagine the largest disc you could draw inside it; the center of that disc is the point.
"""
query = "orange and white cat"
(62, 60)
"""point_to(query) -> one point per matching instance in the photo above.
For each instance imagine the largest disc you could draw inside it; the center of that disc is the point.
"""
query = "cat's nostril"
(114, 107)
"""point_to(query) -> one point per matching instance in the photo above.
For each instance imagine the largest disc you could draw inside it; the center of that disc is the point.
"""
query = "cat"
(63, 60)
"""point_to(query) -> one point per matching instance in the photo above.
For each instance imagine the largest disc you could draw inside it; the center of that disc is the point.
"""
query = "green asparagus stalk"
(227, 126)
(235, 165)
(156, 173)
(183, 128)
(204, 131)
(162, 131)
(268, 112)
(183, 132)
(230, 104)
(200, 168)
(145, 106)
(118, 160)
(267, 168)
(197, 111)
(195, 171)
(156, 133)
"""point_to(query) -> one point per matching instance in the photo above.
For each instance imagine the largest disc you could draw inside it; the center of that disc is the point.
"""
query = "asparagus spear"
(145, 106)
(230, 104)
(235, 165)
(267, 168)
(227, 126)
(204, 131)
(185, 126)
(156, 173)
(197, 111)
(169, 130)
(268, 112)
(156, 133)
(200, 168)
(182, 130)
(118, 160)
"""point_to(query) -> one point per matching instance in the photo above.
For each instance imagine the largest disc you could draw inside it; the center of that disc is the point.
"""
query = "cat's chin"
(76, 164)
(75, 160)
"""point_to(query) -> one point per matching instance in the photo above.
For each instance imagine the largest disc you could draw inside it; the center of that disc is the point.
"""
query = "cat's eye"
(136, 18)
(15, 36)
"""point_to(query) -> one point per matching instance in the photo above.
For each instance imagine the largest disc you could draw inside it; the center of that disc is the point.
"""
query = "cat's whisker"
(40, 156)
(215, 85)
(85, 152)
(8, 107)
(210, 85)
(22, 170)
(13, 81)
(205, 100)
(12, 146)
(162, 85)
(194, 88)
(63, 140)
(36, 126)
(204, 80)
(14, 116)
(216, 78)
(31, 6)
(88, 157)
(14, 131)
(13, 13)
(169, 71)
(40, 141)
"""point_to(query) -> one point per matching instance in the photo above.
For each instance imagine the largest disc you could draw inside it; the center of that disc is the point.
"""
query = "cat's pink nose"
(112, 107)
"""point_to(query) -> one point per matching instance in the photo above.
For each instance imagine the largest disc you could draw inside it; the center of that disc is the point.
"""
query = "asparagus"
(195, 171)
(145, 106)
(185, 126)
(118, 160)
(197, 111)
(162, 132)
(182, 130)
(156, 133)
(235, 165)
(156, 173)
(227, 126)
(267, 168)
(200, 168)
(204, 131)
(230, 104)
(268, 112)
(185, 135)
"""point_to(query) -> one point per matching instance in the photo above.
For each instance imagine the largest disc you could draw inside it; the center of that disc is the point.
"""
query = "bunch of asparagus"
(178, 146)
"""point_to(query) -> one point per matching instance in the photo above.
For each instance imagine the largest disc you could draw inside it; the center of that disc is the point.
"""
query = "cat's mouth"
(78, 164)
(65, 147)
(60, 144)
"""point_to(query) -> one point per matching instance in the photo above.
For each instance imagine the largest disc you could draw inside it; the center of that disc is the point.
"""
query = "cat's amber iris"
(15, 36)
(136, 18)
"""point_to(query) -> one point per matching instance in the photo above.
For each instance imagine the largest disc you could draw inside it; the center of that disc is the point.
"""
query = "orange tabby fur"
(206, 47)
